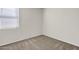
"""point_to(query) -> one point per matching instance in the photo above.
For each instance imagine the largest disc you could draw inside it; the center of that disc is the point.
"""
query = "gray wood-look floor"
(39, 43)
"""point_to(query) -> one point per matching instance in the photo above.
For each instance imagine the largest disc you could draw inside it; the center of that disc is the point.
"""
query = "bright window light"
(9, 18)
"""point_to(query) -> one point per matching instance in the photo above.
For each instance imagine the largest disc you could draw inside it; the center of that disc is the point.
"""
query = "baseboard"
(61, 40)
(27, 37)
(41, 35)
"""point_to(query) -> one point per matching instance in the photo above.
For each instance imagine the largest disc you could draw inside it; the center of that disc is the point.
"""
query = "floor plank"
(39, 43)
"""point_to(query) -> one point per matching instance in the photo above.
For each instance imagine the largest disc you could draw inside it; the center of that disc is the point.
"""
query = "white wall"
(30, 26)
(62, 24)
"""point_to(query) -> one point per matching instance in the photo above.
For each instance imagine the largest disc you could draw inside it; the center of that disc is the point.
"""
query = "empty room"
(39, 28)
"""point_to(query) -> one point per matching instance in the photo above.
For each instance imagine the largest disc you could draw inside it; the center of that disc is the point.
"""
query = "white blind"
(9, 18)
(8, 12)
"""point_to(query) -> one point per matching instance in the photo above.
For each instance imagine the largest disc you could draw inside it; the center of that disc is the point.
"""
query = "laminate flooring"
(39, 43)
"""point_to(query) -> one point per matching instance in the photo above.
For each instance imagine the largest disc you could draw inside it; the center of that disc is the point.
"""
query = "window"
(9, 18)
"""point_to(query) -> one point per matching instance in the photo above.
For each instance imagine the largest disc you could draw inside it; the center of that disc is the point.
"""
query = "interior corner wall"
(62, 24)
(30, 26)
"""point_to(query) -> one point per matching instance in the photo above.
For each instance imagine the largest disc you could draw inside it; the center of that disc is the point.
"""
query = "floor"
(39, 43)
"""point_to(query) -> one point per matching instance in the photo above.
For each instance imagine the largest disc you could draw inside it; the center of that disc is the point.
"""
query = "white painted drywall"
(62, 24)
(58, 23)
(30, 26)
